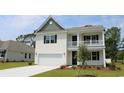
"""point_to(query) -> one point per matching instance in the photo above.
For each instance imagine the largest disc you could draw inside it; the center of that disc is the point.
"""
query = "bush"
(74, 67)
(108, 65)
(30, 63)
(98, 68)
(89, 66)
(118, 68)
(62, 67)
(7, 60)
(22, 60)
(113, 67)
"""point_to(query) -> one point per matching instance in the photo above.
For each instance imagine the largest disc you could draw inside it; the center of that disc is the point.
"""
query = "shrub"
(108, 65)
(7, 60)
(62, 67)
(74, 67)
(22, 60)
(2, 61)
(89, 66)
(98, 68)
(118, 68)
(113, 67)
(80, 66)
(30, 63)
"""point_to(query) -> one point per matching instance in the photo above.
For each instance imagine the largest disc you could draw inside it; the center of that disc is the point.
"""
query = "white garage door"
(51, 59)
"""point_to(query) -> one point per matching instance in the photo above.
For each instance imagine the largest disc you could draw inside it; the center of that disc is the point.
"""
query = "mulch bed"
(86, 76)
(86, 68)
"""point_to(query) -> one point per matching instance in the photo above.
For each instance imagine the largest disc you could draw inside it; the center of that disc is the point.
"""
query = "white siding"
(59, 47)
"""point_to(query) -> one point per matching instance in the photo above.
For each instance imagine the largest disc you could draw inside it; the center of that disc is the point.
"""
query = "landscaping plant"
(82, 55)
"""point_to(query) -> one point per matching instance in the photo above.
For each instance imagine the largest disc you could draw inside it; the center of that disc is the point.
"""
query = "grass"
(12, 65)
(73, 73)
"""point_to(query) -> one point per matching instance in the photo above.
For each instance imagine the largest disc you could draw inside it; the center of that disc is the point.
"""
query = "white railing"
(74, 44)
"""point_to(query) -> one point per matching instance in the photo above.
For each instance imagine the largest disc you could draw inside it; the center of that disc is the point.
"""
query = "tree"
(83, 54)
(27, 38)
(112, 41)
(20, 38)
(120, 55)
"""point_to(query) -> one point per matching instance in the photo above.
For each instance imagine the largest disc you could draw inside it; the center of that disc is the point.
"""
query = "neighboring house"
(16, 51)
(56, 45)
(28, 39)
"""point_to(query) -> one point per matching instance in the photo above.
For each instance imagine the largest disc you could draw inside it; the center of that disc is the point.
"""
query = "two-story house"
(56, 45)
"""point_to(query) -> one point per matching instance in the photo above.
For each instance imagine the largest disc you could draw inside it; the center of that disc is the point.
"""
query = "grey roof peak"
(44, 23)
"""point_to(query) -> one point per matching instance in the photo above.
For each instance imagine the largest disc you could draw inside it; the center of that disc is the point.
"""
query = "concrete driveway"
(25, 71)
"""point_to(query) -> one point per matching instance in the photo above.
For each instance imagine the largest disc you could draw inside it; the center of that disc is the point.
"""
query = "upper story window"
(50, 39)
(92, 38)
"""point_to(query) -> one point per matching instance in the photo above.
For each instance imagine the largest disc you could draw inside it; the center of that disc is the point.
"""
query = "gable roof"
(46, 22)
(16, 46)
(85, 27)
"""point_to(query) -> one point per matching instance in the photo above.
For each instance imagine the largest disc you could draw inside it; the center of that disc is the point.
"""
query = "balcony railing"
(74, 44)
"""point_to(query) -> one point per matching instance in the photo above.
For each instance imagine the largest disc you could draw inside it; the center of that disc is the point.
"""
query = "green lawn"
(12, 65)
(73, 73)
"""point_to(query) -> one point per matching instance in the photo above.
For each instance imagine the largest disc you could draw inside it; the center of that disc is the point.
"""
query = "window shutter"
(97, 37)
(44, 39)
(97, 55)
(55, 38)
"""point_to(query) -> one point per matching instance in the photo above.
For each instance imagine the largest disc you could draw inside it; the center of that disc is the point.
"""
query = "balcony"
(90, 43)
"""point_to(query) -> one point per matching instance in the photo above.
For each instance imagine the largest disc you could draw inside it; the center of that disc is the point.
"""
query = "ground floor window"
(2, 53)
(94, 56)
(25, 55)
(29, 55)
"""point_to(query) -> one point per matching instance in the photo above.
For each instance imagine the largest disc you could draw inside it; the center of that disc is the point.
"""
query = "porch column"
(103, 38)
(78, 44)
(78, 39)
(104, 57)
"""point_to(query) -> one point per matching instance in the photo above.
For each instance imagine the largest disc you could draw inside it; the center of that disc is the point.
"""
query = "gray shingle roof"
(16, 46)
(99, 27)
(86, 27)
(1, 42)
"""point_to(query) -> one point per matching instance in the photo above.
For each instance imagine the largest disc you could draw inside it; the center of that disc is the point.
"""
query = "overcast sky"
(13, 26)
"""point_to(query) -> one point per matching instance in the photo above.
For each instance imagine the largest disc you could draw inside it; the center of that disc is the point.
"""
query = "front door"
(74, 57)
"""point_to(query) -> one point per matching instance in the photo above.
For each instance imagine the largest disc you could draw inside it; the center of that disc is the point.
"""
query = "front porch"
(96, 58)
(91, 40)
